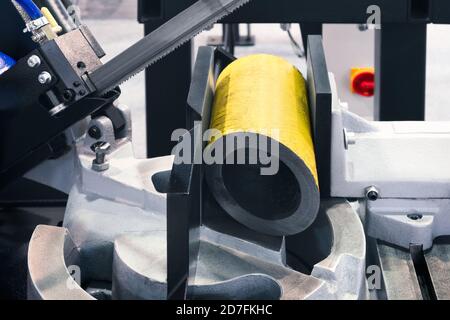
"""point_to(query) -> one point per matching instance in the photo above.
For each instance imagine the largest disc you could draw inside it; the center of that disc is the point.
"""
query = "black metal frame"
(401, 45)
(401, 52)
(167, 82)
(30, 134)
(327, 11)
(231, 38)
(185, 194)
(23, 192)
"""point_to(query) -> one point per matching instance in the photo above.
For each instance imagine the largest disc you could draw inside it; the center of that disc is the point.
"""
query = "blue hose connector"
(6, 62)
(30, 8)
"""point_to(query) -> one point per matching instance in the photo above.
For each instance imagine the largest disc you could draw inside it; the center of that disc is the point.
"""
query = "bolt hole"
(95, 133)
(68, 95)
(415, 217)
(372, 196)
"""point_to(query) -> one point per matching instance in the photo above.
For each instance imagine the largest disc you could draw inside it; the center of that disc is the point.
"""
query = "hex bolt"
(101, 149)
(349, 139)
(372, 193)
(45, 78)
(34, 61)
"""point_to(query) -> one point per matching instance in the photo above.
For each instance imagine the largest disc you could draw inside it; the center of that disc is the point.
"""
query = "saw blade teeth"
(183, 40)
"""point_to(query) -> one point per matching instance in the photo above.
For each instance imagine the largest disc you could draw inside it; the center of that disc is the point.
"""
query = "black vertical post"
(310, 28)
(167, 81)
(167, 86)
(185, 196)
(229, 37)
(400, 72)
(320, 100)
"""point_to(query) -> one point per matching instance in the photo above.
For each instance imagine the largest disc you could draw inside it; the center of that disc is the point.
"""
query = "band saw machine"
(351, 199)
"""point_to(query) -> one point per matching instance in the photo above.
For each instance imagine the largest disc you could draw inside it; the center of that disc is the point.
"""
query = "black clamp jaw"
(45, 93)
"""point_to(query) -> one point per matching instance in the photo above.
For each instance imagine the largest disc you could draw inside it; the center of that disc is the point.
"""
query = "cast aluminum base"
(135, 262)
(233, 269)
(113, 242)
(406, 163)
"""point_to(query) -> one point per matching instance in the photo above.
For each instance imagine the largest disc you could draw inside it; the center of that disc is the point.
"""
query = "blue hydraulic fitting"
(30, 8)
(6, 62)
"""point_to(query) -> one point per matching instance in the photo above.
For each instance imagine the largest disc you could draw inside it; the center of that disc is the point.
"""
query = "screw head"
(100, 167)
(45, 78)
(68, 95)
(34, 61)
(95, 133)
(372, 193)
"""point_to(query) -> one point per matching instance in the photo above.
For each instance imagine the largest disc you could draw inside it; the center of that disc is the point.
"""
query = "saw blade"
(171, 35)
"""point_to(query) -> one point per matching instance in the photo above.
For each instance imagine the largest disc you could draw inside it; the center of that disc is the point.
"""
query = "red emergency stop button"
(363, 81)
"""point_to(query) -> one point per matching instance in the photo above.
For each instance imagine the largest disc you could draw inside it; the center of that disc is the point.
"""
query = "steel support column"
(401, 72)
(167, 87)
(167, 81)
